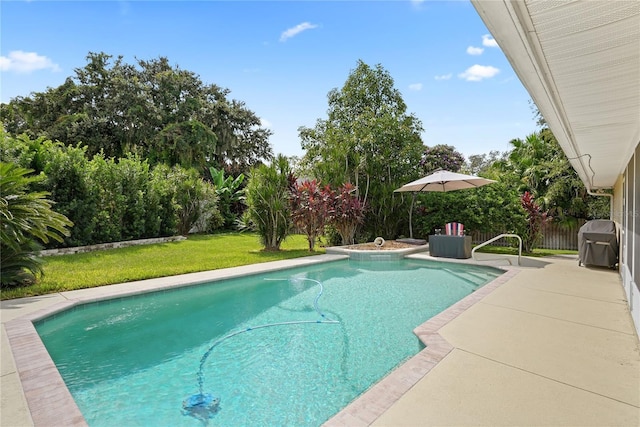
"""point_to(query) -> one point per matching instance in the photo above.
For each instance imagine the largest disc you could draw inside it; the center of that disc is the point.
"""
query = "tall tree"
(369, 140)
(152, 109)
(538, 165)
(477, 163)
(441, 156)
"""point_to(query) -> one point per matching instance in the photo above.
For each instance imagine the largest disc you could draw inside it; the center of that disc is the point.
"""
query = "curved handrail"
(473, 251)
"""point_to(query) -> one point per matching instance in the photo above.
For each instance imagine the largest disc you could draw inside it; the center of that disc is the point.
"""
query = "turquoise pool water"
(133, 361)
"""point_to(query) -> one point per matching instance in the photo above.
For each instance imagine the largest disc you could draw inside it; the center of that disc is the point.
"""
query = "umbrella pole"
(413, 198)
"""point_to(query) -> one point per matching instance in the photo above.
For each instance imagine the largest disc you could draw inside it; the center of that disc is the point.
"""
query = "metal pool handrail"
(473, 251)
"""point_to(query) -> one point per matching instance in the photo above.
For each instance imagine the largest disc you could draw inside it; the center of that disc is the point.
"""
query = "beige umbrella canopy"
(445, 181)
(442, 181)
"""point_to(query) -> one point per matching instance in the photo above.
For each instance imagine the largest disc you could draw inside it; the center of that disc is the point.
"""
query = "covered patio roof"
(580, 62)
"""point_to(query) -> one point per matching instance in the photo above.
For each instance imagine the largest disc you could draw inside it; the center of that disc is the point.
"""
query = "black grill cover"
(598, 243)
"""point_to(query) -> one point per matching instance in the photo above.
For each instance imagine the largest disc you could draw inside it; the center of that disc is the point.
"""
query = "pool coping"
(48, 398)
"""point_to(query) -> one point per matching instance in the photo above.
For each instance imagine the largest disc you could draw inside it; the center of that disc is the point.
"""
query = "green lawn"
(514, 251)
(197, 253)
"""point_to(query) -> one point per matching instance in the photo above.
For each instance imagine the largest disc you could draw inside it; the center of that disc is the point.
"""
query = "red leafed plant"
(347, 212)
(310, 206)
(536, 218)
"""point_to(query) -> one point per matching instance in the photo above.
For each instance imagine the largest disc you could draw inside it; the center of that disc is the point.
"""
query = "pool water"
(133, 361)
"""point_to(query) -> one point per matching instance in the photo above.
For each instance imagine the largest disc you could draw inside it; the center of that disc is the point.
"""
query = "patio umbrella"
(442, 181)
(445, 181)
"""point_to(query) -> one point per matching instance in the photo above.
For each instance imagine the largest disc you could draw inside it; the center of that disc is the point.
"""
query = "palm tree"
(26, 219)
(542, 168)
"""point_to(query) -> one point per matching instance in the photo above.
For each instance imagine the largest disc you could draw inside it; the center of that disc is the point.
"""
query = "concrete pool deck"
(549, 343)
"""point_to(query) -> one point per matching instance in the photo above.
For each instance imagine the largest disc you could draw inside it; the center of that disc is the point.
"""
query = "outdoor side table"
(450, 246)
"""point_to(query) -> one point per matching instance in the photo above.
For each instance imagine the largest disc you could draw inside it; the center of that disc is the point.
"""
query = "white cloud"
(489, 41)
(415, 86)
(265, 123)
(291, 32)
(26, 62)
(443, 77)
(477, 73)
(472, 50)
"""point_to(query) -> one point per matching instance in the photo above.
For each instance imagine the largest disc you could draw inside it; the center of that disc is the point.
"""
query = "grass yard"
(197, 253)
(503, 250)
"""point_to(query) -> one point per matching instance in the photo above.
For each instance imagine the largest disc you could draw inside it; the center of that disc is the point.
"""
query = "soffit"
(580, 62)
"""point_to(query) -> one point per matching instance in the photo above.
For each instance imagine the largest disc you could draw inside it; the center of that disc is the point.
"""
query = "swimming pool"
(133, 361)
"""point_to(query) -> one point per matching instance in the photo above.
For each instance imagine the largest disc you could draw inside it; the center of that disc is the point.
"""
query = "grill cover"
(598, 243)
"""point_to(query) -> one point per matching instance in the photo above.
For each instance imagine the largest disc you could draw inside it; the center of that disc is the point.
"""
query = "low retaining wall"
(376, 255)
(111, 245)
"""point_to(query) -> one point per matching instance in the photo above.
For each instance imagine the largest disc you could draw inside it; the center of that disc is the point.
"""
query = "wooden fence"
(554, 237)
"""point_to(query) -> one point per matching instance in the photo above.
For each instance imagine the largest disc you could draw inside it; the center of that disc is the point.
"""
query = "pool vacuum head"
(201, 406)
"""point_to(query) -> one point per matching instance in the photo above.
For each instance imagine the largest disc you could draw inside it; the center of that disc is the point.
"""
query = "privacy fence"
(554, 237)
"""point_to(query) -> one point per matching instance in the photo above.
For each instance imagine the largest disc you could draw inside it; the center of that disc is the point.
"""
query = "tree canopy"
(441, 156)
(153, 109)
(538, 165)
(369, 140)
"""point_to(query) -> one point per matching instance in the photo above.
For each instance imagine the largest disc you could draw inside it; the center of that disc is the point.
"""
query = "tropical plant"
(245, 223)
(231, 195)
(197, 201)
(27, 217)
(538, 165)
(536, 218)
(268, 202)
(309, 209)
(346, 213)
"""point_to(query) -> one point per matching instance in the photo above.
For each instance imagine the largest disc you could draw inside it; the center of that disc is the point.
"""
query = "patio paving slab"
(467, 390)
(601, 313)
(587, 357)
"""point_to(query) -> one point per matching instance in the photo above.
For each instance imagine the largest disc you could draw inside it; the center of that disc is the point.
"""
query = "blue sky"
(282, 57)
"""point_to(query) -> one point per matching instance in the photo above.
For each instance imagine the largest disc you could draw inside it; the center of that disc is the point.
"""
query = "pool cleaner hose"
(203, 405)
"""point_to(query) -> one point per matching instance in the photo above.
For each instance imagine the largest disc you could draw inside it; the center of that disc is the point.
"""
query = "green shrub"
(67, 180)
(135, 177)
(268, 202)
(114, 199)
(162, 208)
(196, 200)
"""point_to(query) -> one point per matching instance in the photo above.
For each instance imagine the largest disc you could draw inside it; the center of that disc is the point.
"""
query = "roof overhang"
(580, 62)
